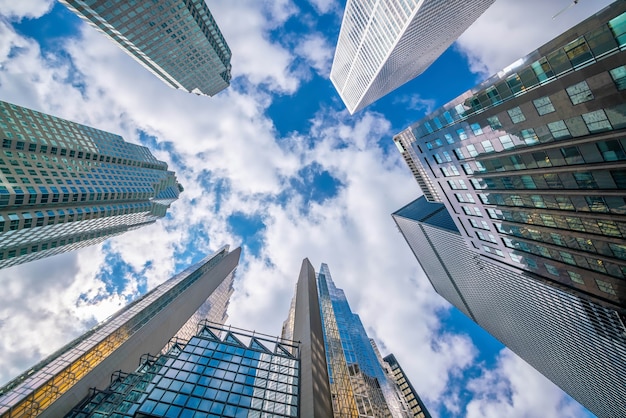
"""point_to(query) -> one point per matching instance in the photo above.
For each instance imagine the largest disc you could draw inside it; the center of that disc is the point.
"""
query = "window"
(471, 149)
(585, 180)
(619, 77)
(516, 115)
(597, 121)
(597, 204)
(619, 250)
(579, 93)
(467, 168)
(462, 134)
(494, 122)
(606, 287)
(551, 269)
(611, 150)
(575, 277)
(459, 153)
(506, 141)
(449, 138)
(543, 105)
(476, 129)
(559, 130)
(578, 52)
(572, 155)
(488, 147)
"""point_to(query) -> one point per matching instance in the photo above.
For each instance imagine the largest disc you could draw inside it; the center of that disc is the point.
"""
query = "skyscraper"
(65, 186)
(579, 345)
(178, 41)
(227, 371)
(531, 164)
(383, 44)
(54, 386)
(355, 378)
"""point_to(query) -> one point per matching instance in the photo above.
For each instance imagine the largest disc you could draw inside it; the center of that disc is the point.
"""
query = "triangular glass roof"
(282, 350)
(230, 338)
(206, 332)
(256, 345)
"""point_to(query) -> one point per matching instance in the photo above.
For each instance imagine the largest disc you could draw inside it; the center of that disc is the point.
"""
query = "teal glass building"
(178, 41)
(65, 186)
(531, 163)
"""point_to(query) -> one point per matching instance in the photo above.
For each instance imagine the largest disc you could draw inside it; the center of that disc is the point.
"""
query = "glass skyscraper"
(177, 40)
(577, 344)
(531, 164)
(383, 44)
(65, 186)
(359, 383)
(324, 365)
(54, 386)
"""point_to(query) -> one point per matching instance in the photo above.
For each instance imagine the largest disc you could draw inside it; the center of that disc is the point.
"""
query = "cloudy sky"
(274, 164)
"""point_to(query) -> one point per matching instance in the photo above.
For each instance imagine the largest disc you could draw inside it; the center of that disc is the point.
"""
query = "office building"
(410, 394)
(577, 344)
(383, 44)
(178, 41)
(65, 186)
(324, 365)
(531, 164)
(54, 386)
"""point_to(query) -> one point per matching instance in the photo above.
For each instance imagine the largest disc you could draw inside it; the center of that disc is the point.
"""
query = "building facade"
(577, 344)
(531, 164)
(357, 381)
(54, 386)
(410, 394)
(178, 41)
(65, 186)
(385, 43)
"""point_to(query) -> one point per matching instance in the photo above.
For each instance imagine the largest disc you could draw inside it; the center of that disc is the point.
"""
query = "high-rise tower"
(577, 344)
(531, 164)
(178, 41)
(54, 386)
(385, 43)
(65, 186)
(226, 371)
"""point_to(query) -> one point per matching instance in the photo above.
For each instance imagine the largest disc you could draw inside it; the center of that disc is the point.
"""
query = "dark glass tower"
(579, 345)
(178, 41)
(531, 164)
(65, 186)
(54, 386)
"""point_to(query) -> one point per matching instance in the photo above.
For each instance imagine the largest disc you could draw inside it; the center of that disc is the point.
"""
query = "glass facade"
(384, 44)
(360, 386)
(177, 40)
(577, 344)
(221, 372)
(136, 329)
(532, 165)
(65, 186)
(410, 395)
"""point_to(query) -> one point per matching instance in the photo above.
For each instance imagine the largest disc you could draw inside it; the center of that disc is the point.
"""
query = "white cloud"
(511, 29)
(415, 102)
(18, 10)
(316, 51)
(515, 390)
(324, 6)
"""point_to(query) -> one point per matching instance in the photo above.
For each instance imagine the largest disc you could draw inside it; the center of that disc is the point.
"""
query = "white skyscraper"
(385, 43)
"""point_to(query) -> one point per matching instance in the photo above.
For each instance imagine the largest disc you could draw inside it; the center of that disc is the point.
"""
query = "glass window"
(543, 105)
(619, 77)
(597, 204)
(575, 277)
(578, 52)
(476, 129)
(597, 121)
(530, 137)
(605, 286)
(488, 147)
(459, 153)
(515, 83)
(551, 269)
(449, 138)
(579, 93)
(611, 150)
(462, 134)
(471, 149)
(572, 155)
(559, 130)
(542, 69)
(516, 115)
(494, 122)
(585, 180)
(506, 141)
(618, 26)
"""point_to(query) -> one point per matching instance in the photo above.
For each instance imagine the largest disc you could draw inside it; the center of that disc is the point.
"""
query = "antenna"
(566, 8)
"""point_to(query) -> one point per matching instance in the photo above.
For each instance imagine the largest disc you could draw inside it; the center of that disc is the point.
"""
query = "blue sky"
(277, 165)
